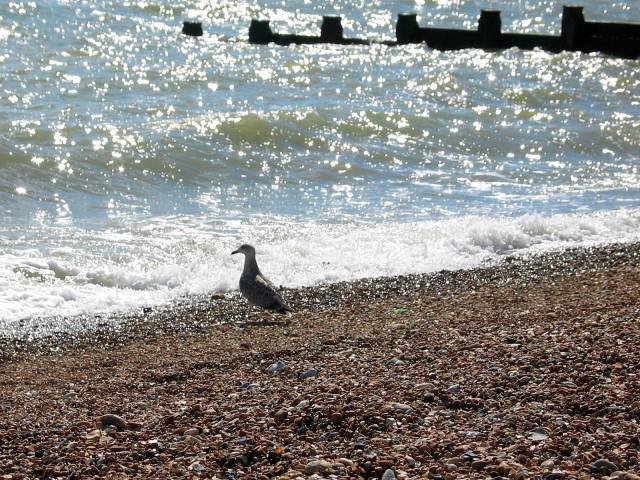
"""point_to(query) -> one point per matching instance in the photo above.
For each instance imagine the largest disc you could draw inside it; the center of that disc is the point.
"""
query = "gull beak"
(235, 251)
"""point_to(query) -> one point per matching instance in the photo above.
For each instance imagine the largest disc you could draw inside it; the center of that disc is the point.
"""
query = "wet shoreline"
(197, 314)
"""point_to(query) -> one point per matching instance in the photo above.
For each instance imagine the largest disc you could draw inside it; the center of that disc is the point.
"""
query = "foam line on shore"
(156, 262)
(196, 315)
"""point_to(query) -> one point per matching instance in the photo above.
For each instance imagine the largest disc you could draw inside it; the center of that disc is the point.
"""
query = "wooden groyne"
(192, 29)
(577, 34)
(330, 32)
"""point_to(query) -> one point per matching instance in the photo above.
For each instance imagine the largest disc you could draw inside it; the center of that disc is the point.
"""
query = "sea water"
(134, 159)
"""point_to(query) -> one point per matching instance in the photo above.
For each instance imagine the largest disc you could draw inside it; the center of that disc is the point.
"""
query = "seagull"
(257, 288)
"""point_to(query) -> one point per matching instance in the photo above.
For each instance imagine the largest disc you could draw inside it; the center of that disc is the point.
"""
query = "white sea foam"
(80, 272)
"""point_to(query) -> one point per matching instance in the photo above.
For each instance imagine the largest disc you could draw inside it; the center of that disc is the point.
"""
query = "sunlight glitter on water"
(111, 119)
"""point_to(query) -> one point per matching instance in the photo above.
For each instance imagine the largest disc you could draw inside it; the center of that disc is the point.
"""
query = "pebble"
(169, 419)
(604, 466)
(189, 440)
(470, 456)
(256, 356)
(112, 420)
(548, 464)
(192, 432)
(409, 461)
(388, 475)
(317, 466)
(539, 434)
(479, 464)
(384, 462)
(395, 362)
(276, 367)
(302, 405)
(69, 396)
(624, 476)
(455, 388)
(402, 407)
(135, 426)
(94, 434)
(312, 372)
(281, 415)
(428, 397)
(175, 469)
(559, 475)
(424, 386)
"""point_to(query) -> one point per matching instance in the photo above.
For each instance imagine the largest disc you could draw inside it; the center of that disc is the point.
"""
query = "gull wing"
(260, 291)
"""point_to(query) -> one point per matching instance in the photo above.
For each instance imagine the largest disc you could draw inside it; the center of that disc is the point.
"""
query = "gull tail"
(284, 309)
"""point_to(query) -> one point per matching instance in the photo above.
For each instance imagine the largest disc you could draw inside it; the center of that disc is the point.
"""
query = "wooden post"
(489, 26)
(573, 27)
(331, 29)
(192, 29)
(260, 32)
(407, 28)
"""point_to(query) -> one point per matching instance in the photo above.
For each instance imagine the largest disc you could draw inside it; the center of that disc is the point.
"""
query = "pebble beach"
(457, 234)
(525, 369)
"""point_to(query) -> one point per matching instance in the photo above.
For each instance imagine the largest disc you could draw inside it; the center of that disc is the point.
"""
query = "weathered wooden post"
(192, 29)
(489, 26)
(407, 28)
(260, 32)
(573, 27)
(331, 29)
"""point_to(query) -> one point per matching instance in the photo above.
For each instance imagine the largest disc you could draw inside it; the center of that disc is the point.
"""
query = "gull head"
(245, 249)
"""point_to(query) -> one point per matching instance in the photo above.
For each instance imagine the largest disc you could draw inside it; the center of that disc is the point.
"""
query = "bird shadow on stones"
(264, 323)
(250, 318)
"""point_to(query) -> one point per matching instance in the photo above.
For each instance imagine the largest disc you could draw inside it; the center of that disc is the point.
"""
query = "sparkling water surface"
(134, 159)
